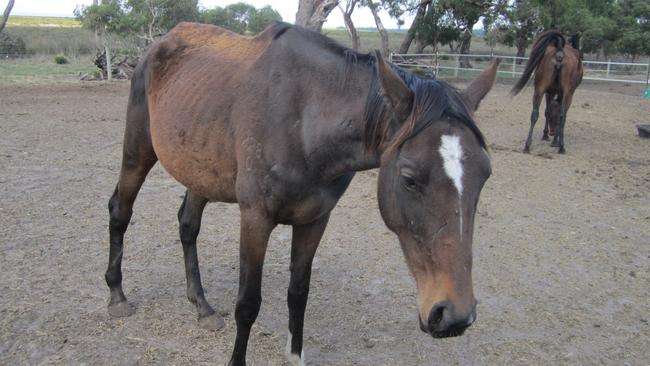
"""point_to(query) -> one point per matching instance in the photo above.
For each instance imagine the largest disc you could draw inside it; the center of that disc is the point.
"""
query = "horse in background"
(558, 72)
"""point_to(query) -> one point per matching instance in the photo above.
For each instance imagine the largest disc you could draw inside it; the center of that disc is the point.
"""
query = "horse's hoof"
(545, 138)
(212, 322)
(121, 310)
(554, 144)
(526, 150)
(561, 150)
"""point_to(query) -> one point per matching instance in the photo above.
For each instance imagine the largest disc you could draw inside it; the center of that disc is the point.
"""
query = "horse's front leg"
(304, 242)
(256, 228)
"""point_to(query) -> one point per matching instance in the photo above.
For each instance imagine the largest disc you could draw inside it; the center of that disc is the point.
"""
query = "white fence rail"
(447, 64)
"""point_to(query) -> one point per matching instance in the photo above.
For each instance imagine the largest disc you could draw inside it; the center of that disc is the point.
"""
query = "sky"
(287, 9)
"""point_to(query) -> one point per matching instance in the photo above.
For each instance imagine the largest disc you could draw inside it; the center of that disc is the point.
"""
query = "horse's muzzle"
(443, 322)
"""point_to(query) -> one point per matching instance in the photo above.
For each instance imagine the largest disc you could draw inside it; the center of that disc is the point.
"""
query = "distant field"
(50, 22)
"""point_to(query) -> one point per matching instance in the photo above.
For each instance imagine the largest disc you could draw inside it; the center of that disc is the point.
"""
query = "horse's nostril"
(436, 315)
(444, 322)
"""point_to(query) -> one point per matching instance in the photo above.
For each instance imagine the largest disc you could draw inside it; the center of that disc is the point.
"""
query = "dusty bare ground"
(562, 249)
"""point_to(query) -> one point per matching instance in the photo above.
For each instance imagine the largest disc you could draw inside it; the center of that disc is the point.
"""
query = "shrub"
(61, 60)
(11, 46)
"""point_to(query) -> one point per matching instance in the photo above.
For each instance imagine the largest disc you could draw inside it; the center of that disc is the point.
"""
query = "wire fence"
(449, 65)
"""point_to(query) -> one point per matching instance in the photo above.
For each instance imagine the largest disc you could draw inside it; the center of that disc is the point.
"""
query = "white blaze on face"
(451, 152)
(294, 359)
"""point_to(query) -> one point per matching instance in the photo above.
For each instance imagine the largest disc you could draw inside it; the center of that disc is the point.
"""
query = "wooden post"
(437, 64)
(608, 68)
(514, 67)
(457, 64)
(109, 64)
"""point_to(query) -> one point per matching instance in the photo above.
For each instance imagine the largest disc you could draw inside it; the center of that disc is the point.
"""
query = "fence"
(447, 65)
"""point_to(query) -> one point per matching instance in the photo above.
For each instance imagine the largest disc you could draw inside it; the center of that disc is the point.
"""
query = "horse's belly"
(198, 157)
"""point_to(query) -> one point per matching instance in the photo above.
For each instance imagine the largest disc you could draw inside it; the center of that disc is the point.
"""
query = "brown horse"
(558, 72)
(279, 123)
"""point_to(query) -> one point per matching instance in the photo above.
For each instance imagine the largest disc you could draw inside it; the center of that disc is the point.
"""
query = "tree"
(374, 9)
(421, 10)
(313, 13)
(350, 5)
(262, 18)
(5, 15)
(241, 17)
(633, 23)
(234, 16)
(513, 24)
(142, 18)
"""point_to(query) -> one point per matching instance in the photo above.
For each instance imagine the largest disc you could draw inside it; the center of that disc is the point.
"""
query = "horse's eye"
(408, 182)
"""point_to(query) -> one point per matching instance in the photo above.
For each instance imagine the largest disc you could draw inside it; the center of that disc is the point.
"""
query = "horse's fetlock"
(113, 278)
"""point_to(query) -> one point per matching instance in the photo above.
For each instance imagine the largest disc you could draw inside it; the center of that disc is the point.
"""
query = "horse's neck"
(335, 141)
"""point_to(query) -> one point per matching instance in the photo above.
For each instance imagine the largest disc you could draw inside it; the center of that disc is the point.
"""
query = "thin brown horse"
(558, 72)
(279, 124)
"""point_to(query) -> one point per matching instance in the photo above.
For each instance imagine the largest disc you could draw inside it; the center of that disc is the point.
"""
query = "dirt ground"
(561, 269)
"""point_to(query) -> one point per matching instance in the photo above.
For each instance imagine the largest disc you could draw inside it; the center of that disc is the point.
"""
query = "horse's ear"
(479, 87)
(395, 92)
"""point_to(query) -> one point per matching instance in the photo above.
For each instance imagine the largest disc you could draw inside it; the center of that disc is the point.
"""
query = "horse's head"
(429, 186)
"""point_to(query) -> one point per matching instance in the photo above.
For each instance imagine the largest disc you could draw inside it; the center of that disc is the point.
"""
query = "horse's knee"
(247, 309)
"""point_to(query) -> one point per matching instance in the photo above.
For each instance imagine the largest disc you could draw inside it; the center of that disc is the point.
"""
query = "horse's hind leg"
(138, 158)
(566, 103)
(189, 219)
(304, 242)
(537, 99)
(547, 115)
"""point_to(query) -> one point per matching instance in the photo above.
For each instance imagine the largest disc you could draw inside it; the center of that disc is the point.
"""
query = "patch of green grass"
(49, 22)
(40, 70)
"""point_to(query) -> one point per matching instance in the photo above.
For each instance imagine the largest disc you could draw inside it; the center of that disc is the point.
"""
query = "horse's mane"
(551, 37)
(434, 99)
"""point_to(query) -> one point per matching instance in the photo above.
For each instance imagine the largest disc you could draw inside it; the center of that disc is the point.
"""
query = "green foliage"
(262, 19)
(241, 17)
(60, 60)
(633, 24)
(144, 18)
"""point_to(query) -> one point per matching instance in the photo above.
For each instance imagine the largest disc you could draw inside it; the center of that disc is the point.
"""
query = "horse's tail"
(544, 40)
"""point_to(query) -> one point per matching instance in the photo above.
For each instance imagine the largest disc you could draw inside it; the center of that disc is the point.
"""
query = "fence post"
(514, 66)
(437, 64)
(457, 66)
(390, 57)
(647, 75)
(609, 63)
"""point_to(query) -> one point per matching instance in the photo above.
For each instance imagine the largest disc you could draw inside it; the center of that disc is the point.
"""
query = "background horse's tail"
(544, 40)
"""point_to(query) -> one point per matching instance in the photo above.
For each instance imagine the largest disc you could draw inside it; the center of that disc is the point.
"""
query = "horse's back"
(196, 76)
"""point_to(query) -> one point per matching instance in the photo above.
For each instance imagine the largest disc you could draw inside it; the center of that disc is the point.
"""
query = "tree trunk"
(465, 43)
(419, 46)
(313, 13)
(347, 18)
(380, 27)
(5, 15)
(410, 35)
(520, 42)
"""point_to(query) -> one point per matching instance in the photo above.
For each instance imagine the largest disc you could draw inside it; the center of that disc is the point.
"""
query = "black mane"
(434, 99)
